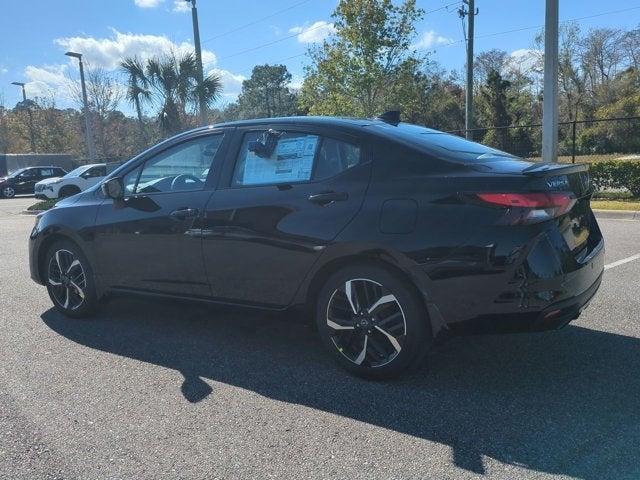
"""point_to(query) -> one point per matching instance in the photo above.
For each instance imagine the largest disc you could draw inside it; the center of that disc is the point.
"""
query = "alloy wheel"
(8, 192)
(67, 279)
(367, 322)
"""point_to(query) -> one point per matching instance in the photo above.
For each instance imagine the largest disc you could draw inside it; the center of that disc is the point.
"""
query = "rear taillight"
(527, 208)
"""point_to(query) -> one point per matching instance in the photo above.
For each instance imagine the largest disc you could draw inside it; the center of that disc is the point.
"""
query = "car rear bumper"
(554, 317)
(543, 291)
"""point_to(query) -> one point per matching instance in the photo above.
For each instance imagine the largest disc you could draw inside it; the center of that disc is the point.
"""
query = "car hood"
(47, 181)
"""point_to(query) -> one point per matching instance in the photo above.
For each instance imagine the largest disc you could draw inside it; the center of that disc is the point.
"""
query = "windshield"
(440, 144)
(77, 172)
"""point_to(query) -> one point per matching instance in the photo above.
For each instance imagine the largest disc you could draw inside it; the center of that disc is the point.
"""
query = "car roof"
(343, 123)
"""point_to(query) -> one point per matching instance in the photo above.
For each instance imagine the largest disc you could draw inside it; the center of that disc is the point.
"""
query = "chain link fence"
(578, 141)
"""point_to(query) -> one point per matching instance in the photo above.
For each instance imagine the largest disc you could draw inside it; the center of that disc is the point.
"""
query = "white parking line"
(623, 261)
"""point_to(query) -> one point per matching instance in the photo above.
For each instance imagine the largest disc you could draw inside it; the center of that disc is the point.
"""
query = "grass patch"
(628, 204)
(612, 195)
(594, 157)
(43, 205)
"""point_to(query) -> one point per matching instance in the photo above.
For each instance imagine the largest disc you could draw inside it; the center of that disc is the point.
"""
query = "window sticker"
(291, 162)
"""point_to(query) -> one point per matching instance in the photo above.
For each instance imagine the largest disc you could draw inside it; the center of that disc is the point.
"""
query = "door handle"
(325, 198)
(184, 213)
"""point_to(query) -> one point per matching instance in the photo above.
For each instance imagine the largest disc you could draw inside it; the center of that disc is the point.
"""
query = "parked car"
(72, 183)
(24, 180)
(389, 234)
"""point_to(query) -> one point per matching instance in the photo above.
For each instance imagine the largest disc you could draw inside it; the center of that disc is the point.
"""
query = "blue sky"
(34, 34)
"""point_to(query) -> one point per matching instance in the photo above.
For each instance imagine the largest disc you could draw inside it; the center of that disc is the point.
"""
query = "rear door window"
(334, 157)
(270, 157)
(273, 158)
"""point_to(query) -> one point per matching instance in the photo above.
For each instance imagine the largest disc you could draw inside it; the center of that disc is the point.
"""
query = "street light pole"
(550, 92)
(196, 40)
(32, 135)
(91, 150)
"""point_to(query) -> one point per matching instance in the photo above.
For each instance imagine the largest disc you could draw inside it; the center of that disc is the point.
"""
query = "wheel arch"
(71, 188)
(46, 244)
(311, 288)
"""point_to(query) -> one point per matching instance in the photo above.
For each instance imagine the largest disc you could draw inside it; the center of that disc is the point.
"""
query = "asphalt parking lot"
(157, 389)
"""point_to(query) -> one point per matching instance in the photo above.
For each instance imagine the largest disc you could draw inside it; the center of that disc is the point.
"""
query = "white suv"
(73, 182)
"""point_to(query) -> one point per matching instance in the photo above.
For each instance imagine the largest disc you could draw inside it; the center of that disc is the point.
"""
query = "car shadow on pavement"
(565, 402)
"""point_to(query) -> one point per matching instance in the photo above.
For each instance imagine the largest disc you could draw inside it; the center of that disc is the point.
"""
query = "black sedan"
(25, 179)
(387, 234)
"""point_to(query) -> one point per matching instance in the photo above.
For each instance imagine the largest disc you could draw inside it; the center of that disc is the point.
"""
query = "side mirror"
(113, 188)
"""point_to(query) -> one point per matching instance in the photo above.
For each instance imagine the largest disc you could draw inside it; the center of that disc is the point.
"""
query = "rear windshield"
(440, 144)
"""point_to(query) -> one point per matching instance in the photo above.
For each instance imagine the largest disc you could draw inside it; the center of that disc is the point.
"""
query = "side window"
(289, 160)
(335, 157)
(46, 172)
(28, 174)
(94, 172)
(181, 168)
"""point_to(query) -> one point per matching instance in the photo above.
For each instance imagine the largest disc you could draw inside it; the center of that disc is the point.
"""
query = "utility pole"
(471, 11)
(91, 149)
(200, 73)
(32, 135)
(550, 92)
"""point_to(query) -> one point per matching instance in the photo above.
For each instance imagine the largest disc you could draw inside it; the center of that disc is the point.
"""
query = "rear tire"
(372, 322)
(69, 280)
(68, 191)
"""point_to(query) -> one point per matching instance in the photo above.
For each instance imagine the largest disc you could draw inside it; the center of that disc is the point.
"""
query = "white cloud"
(313, 33)
(524, 59)
(231, 83)
(430, 39)
(3, 70)
(296, 82)
(181, 6)
(147, 3)
(54, 80)
(47, 81)
(109, 52)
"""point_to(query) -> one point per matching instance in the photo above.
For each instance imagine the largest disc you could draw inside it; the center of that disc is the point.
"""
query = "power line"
(320, 25)
(444, 7)
(246, 25)
(504, 32)
(563, 21)
(456, 42)
(268, 44)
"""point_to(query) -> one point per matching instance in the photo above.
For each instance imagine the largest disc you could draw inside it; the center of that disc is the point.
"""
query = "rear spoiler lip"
(549, 169)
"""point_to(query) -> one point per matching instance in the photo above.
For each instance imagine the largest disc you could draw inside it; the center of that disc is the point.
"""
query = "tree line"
(368, 66)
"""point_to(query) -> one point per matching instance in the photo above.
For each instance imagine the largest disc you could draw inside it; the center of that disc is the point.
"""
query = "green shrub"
(616, 174)
(43, 205)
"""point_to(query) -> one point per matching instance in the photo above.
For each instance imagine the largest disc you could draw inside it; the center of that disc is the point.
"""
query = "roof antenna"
(392, 117)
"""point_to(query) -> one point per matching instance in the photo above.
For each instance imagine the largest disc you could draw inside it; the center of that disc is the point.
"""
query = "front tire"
(8, 192)
(69, 280)
(372, 322)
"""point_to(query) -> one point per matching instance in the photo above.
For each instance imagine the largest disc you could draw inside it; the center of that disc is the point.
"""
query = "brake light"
(526, 208)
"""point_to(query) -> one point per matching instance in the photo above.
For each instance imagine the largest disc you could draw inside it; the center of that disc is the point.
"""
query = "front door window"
(184, 167)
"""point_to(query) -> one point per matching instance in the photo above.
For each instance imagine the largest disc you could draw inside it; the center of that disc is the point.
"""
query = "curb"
(618, 214)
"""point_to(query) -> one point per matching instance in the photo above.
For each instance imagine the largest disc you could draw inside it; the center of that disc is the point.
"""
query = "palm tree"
(137, 89)
(174, 80)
